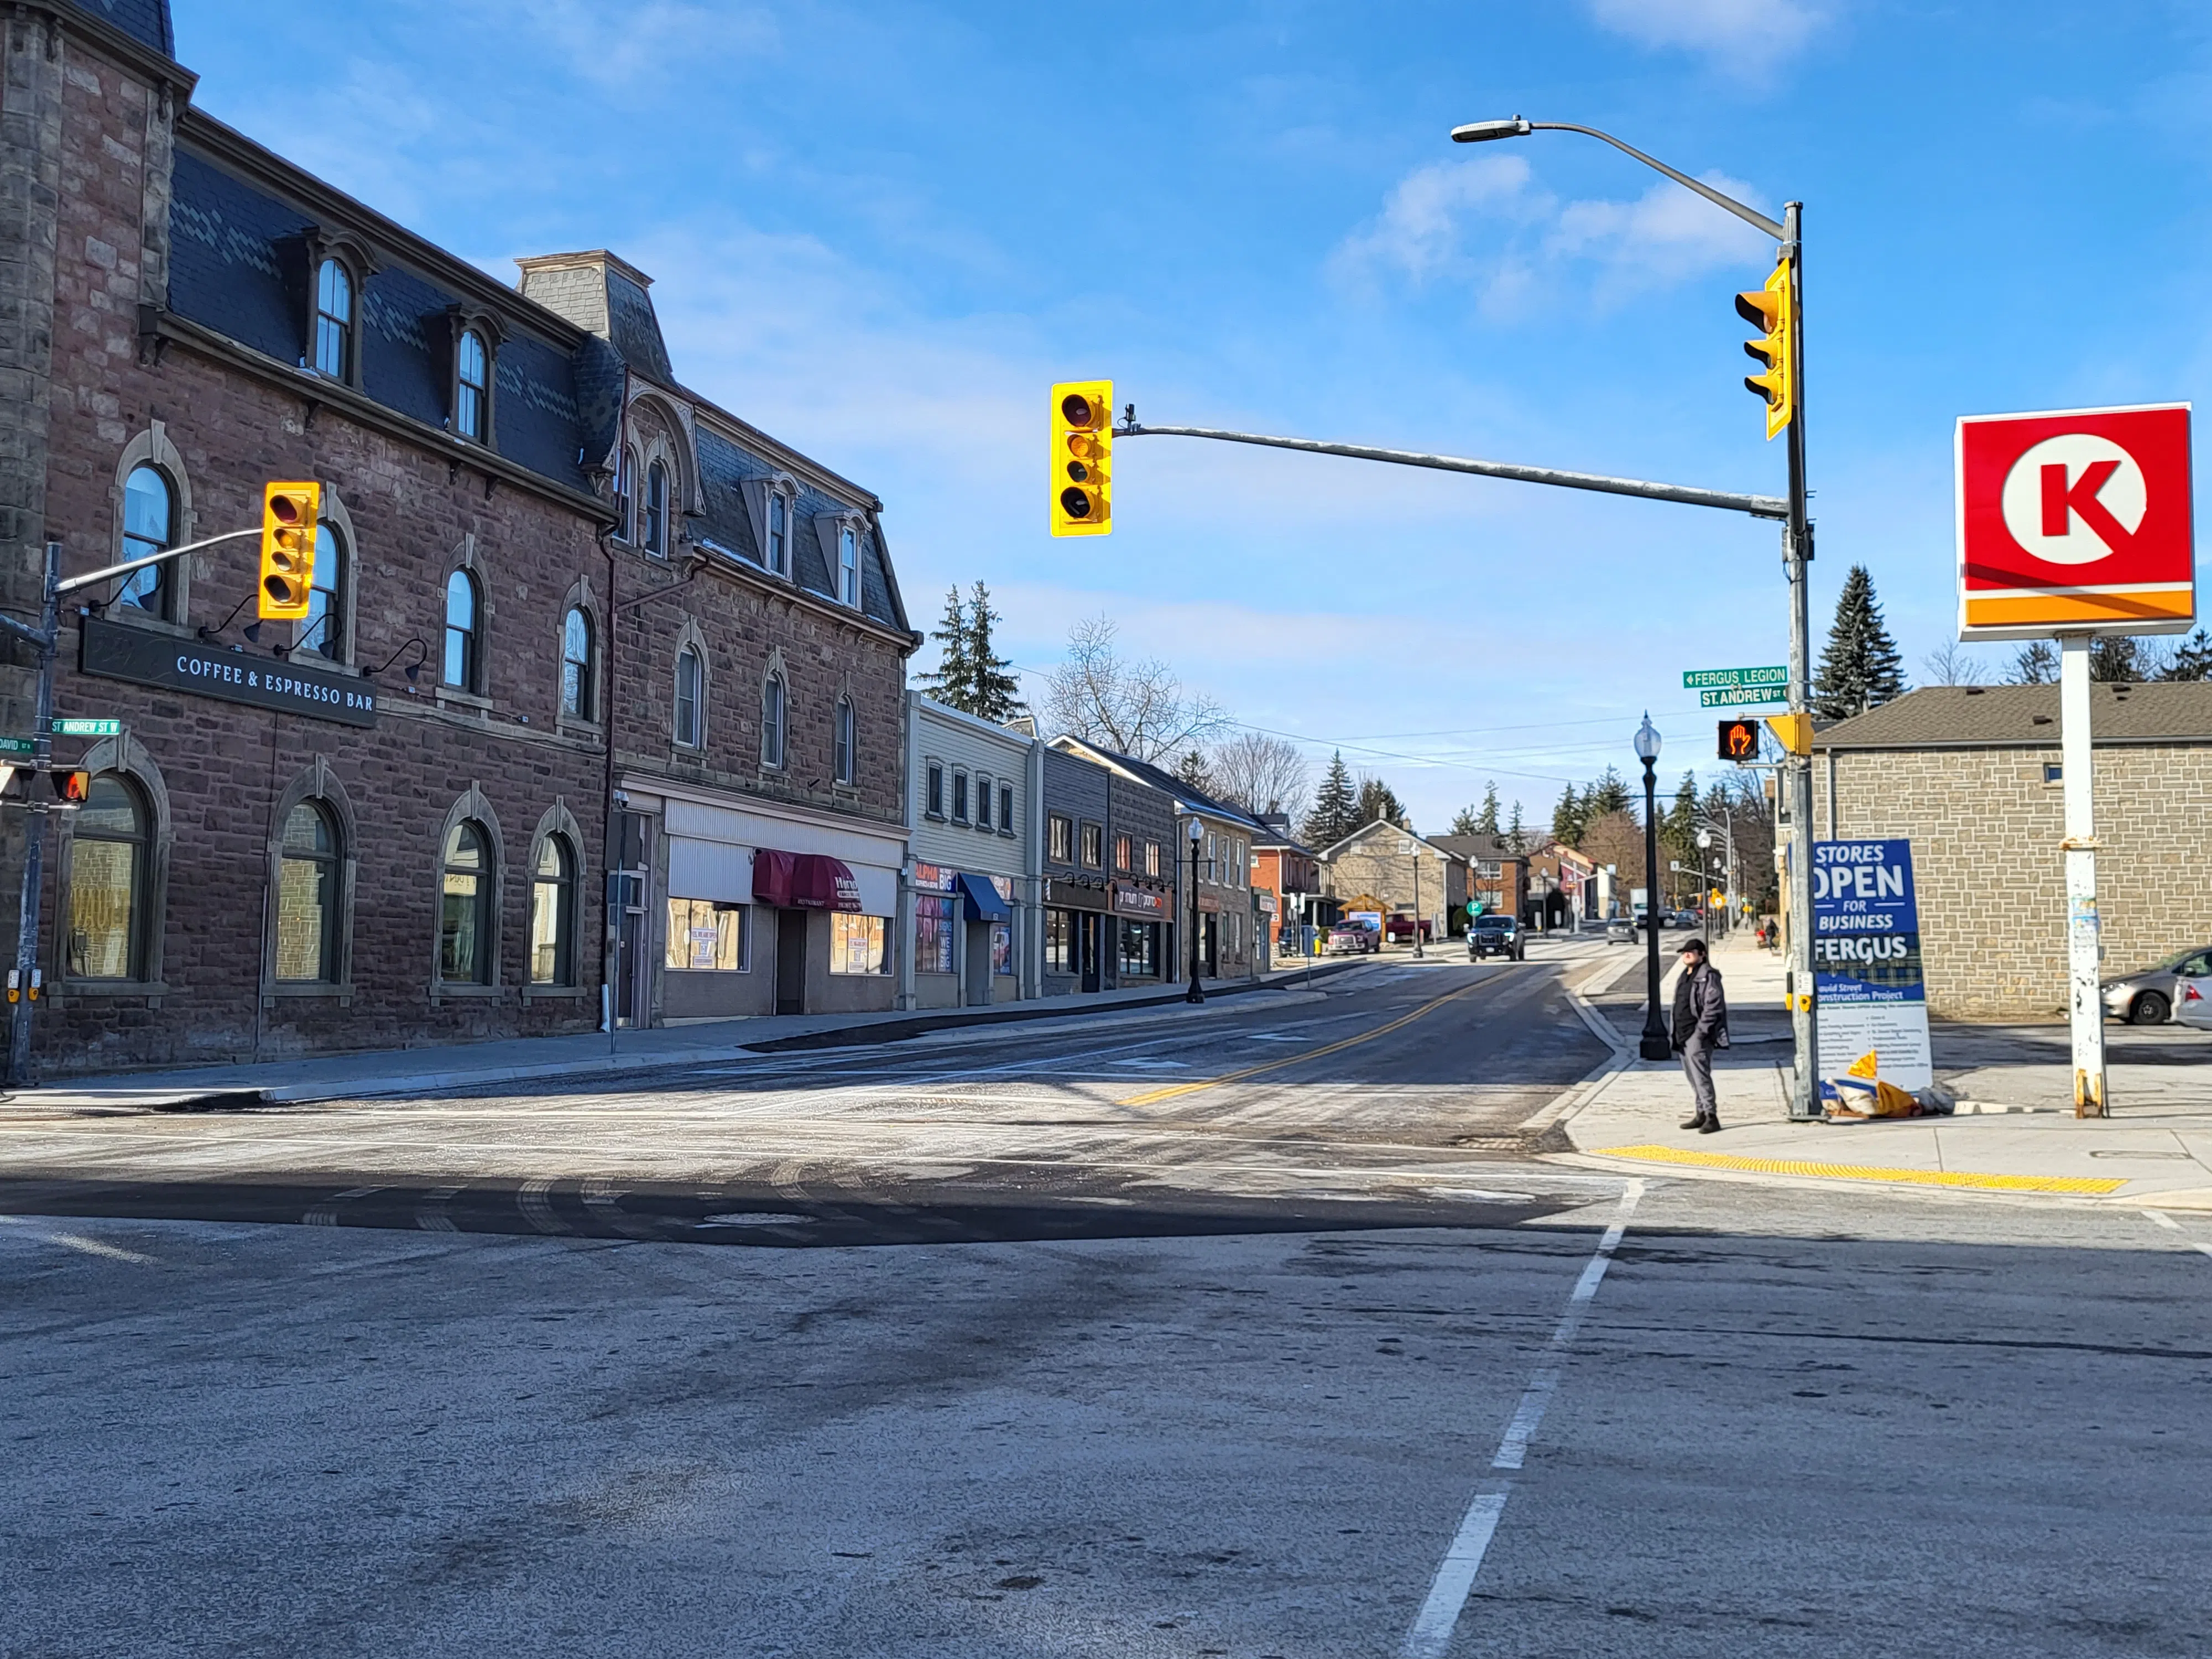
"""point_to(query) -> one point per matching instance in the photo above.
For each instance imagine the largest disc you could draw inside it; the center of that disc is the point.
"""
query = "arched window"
(779, 534)
(334, 320)
(772, 716)
(576, 677)
(472, 395)
(626, 494)
(464, 642)
(690, 678)
(307, 896)
(465, 906)
(552, 914)
(107, 883)
(656, 510)
(848, 567)
(150, 524)
(324, 631)
(842, 740)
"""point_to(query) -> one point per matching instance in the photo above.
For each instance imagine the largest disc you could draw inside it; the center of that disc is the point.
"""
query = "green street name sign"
(1696, 678)
(88, 728)
(1729, 696)
(17, 746)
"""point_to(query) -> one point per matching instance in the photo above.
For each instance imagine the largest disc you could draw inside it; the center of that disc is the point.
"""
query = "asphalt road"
(1324, 1381)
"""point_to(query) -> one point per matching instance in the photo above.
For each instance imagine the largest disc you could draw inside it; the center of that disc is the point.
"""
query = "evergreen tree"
(2037, 665)
(1336, 806)
(1570, 817)
(1862, 668)
(1515, 835)
(1486, 822)
(1678, 825)
(2118, 657)
(1607, 795)
(1464, 821)
(952, 682)
(1378, 800)
(2192, 658)
(992, 687)
(1193, 770)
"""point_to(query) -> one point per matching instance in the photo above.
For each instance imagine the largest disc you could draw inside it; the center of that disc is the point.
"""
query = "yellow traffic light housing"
(1771, 311)
(1082, 483)
(1794, 730)
(288, 516)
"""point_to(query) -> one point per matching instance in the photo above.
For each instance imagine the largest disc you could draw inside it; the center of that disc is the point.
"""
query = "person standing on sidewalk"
(1700, 1027)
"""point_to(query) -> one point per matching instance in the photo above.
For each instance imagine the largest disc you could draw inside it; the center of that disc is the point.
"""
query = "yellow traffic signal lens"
(1082, 452)
(288, 515)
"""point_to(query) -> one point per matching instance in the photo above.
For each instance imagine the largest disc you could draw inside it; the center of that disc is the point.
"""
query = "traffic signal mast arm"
(1758, 506)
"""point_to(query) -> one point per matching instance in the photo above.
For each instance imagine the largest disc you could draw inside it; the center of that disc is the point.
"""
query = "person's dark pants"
(1698, 1066)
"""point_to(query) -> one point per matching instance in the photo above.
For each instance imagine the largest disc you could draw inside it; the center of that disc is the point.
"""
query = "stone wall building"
(389, 824)
(1971, 776)
(1412, 878)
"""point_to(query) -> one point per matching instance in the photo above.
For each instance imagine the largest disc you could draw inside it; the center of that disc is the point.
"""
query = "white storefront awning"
(710, 848)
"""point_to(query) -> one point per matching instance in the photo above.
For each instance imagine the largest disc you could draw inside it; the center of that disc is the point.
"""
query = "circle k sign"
(2076, 522)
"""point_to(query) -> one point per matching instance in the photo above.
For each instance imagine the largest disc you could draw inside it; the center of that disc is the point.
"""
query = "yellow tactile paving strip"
(1791, 1166)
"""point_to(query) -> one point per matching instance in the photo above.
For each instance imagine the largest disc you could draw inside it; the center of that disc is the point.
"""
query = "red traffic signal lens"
(1078, 410)
(285, 509)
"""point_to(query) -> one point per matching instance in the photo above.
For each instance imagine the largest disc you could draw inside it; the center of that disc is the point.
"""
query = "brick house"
(1286, 874)
(389, 824)
(1497, 874)
(1970, 775)
(1379, 861)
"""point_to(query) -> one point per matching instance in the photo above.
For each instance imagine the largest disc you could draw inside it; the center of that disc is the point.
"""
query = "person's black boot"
(1711, 1126)
(1698, 1123)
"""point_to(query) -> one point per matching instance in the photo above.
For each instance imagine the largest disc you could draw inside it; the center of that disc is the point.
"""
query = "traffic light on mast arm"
(1082, 483)
(1771, 310)
(289, 514)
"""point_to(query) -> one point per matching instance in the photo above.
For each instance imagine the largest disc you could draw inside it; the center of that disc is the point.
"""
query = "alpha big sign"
(2076, 522)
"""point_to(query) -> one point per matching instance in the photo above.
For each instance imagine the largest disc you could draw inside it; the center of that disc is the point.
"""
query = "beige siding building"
(1970, 775)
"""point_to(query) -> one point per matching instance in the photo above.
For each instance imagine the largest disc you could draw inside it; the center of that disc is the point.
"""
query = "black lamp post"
(1197, 835)
(1657, 1044)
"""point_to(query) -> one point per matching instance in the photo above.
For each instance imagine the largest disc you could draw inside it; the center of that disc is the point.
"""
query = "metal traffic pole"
(1797, 768)
(23, 982)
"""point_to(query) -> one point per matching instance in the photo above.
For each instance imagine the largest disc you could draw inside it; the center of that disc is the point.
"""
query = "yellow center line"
(2001, 1183)
(1152, 1096)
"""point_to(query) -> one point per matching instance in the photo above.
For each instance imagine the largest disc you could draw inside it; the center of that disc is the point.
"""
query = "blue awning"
(984, 903)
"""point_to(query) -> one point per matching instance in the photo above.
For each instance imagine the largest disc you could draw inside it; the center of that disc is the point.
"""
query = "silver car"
(2152, 996)
(2192, 1002)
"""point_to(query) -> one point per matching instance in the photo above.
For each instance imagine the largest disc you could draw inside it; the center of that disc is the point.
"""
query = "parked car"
(1353, 939)
(2152, 996)
(1492, 934)
(2192, 1001)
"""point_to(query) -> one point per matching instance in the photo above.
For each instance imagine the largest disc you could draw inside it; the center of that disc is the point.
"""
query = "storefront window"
(707, 936)
(1123, 851)
(1140, 950)
(1151, 857)
(1058, 942)
(465, 916)
(552, 914)
(933, 933)
(1002, 947)
(856, 945)
(307, 897)
(108, 879)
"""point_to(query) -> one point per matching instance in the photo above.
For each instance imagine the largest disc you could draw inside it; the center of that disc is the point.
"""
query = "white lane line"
(94, 1247)
(2163, 1220)
(1432, 1627)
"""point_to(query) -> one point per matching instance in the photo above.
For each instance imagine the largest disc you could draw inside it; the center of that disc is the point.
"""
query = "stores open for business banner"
(1865, 964)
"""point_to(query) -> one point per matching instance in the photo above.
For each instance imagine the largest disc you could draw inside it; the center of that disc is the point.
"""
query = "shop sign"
(1867, 971)
(935, 879)
(117, 651)
(1077, 895)
(1139, 900)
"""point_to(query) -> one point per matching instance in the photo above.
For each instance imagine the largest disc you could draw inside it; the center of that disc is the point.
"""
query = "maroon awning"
(804, 881)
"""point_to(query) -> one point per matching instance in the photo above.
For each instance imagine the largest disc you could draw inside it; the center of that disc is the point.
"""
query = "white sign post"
(2085, 1008)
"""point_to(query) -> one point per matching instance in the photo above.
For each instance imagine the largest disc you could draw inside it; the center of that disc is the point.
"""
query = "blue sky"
(882, 231)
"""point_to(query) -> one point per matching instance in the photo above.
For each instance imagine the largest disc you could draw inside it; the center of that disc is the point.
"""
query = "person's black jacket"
(1700, 1008)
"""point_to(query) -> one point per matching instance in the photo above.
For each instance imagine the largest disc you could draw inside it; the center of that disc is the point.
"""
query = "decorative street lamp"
(1657, 1044)
(1198, 835)
(1412, 849)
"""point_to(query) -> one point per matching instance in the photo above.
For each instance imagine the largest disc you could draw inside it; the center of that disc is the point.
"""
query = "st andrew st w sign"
(2076, 522)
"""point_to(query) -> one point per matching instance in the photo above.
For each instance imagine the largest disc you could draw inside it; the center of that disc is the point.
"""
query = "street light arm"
(93, 578)
(1750, 215)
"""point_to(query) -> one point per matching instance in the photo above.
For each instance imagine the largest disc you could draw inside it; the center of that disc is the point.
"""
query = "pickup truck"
(1351, 938)
(1495, 935)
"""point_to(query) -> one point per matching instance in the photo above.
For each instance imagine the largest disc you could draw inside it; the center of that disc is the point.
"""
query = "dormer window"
(334, 320)
(848, 566)
(472, 391)
(656, 510)
(779, 534)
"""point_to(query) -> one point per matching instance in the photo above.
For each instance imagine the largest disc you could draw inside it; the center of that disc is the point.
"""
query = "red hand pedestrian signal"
(1739, 739)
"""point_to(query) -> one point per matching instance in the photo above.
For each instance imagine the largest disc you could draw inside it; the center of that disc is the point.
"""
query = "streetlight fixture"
(1197, 835)
(1412, 849)
(1797, 802)
(1657, 1044)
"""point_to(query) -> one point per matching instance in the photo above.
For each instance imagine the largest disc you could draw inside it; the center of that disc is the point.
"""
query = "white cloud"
(1742, 35)
(1666, 236)
(1419, 231)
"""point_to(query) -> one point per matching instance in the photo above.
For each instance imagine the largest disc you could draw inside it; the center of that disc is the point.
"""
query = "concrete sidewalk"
(528, 1059)
(2014, 1131)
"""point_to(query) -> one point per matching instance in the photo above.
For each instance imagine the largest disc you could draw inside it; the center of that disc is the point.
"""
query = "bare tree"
(1134, 708)
(1947, 664)
(1261, 774)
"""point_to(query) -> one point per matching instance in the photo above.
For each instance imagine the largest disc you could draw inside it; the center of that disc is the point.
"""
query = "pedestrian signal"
(1082, 458)
(289, 512)
(71, 788)
(1772, 310)
(1739, 739)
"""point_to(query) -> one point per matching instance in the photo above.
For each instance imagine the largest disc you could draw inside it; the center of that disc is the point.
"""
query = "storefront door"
(1210, 945)
(632, 936)
(1091, 933)
(791, 962)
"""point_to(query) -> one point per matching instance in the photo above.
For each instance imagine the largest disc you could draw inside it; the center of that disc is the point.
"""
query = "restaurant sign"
(117, 651)
(1139, 900)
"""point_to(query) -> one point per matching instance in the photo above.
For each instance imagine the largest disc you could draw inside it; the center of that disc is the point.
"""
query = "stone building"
(1971, 776)
(972, 921)
(389, 824)
(1497, 875)
(1412, 878)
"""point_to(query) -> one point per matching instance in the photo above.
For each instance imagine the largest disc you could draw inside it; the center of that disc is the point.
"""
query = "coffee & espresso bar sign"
(117, 651)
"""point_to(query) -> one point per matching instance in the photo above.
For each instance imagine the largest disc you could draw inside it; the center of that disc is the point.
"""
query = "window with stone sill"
(472, 386)
(308, 897)
(105, 920)
(149, 526)
(334, 320)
